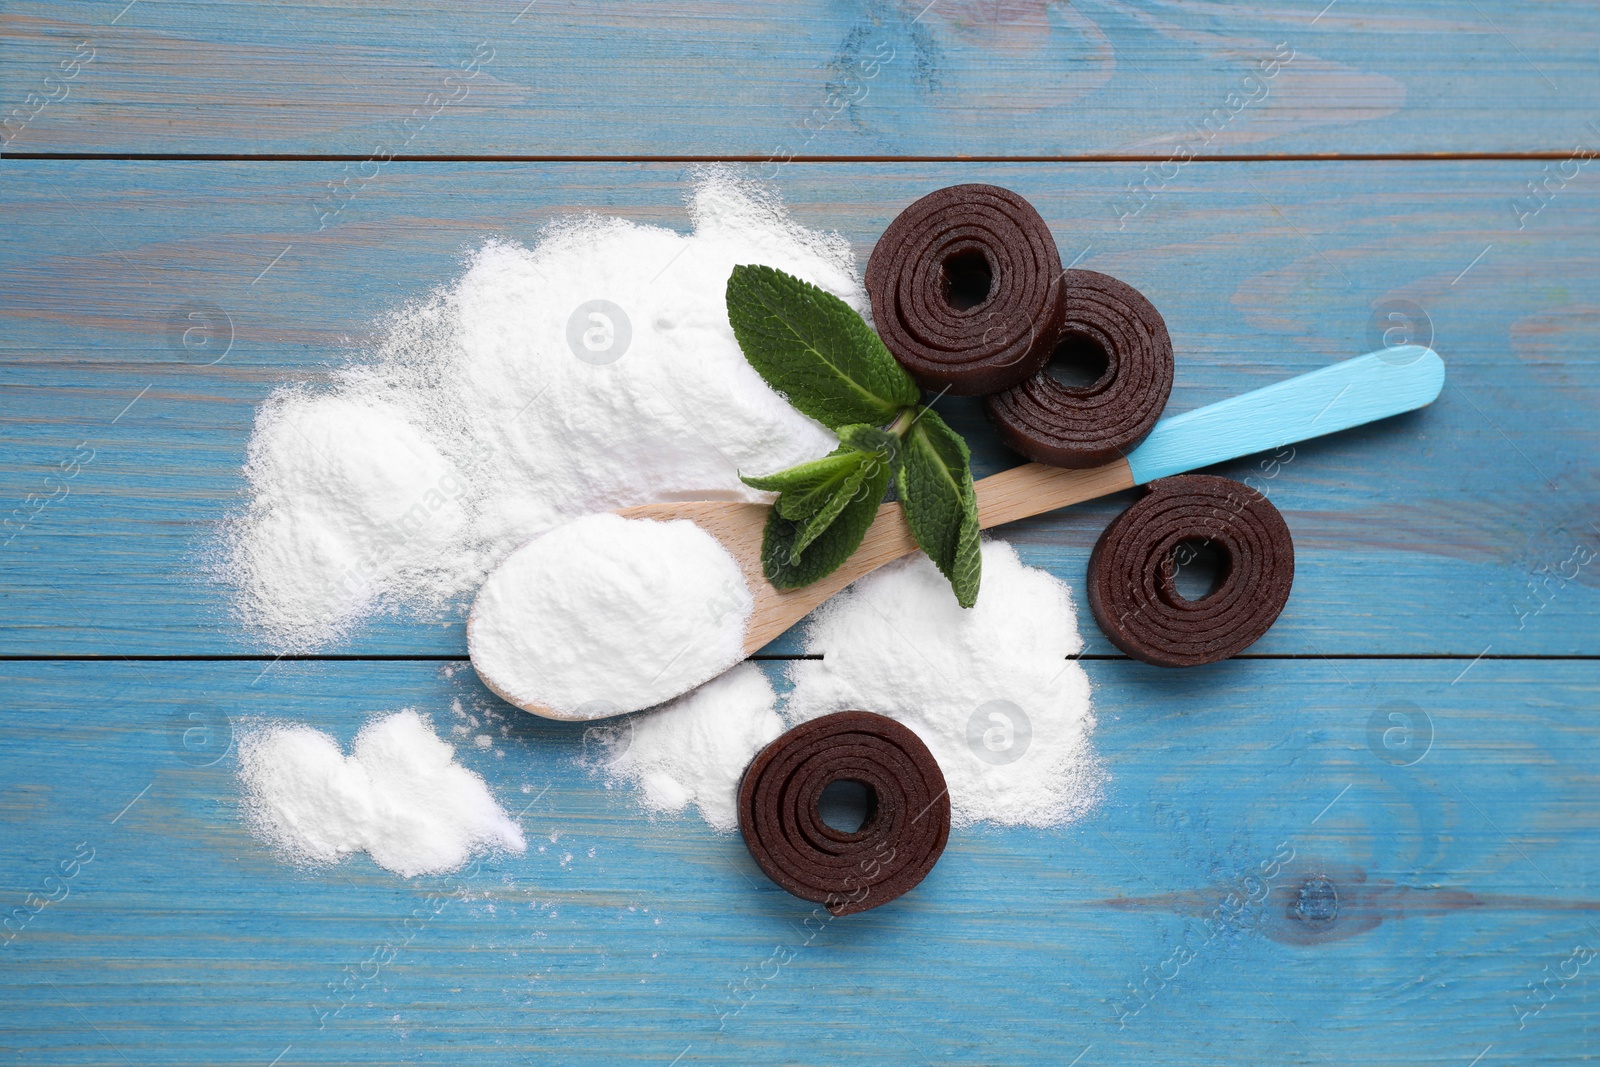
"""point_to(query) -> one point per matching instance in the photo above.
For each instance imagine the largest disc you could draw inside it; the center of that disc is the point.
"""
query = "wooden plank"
(1443, 878)
(827, 77)
(1455, 530)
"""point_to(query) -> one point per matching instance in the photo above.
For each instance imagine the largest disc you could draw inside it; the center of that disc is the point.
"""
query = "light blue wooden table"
(292, 171)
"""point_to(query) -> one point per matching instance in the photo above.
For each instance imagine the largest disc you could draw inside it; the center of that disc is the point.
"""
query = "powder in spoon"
(607, 615)
(399, 796)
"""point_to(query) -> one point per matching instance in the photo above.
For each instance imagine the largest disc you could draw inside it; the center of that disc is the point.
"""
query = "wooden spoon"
(1323, 401)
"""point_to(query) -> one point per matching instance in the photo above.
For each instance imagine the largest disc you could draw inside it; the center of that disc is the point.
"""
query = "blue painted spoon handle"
(1357, 391)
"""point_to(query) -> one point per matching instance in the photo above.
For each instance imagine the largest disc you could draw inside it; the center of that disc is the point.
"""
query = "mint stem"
(903, 421)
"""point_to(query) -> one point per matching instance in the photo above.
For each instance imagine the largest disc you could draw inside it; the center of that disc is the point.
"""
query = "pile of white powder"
(592, 371)
(399, 796)
(989, 689)
(606, 615)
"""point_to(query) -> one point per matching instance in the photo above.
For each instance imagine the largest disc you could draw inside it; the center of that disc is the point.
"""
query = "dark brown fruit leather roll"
(894, 849)
(1086, 426)
(965, 289)
(1131, 571)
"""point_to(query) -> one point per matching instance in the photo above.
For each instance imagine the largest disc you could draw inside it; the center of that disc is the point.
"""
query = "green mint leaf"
(804, 503)
(821, 504)
(806, 487)
(832, 546)
(815, 524)
(935, 486)
(871, 440)
(814, 349)
(968, 569)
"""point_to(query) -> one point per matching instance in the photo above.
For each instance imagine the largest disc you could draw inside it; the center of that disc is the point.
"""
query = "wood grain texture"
(1430, 825)
(1418, 904)
(1455, 530)
(824, 77)
(1035, 489)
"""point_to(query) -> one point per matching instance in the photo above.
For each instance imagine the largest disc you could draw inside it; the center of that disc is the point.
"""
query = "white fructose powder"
(514, 400)
(606, 615)
(989, 689)
(399, 796)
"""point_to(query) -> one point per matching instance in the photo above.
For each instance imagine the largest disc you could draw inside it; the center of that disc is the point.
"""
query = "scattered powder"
(594, 370)
(606, 615)
(989, 689)
(399, 796)
(694, 749)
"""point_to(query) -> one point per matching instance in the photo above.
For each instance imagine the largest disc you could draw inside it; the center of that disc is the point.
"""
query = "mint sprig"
(822, 356)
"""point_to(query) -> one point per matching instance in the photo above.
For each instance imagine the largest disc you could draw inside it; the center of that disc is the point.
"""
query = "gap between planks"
(312, 157)
(782, 657)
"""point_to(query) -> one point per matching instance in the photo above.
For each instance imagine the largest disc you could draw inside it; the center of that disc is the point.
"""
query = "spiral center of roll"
(1198, 567)
(968, 278)
(847, 805)
(1078, 362)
